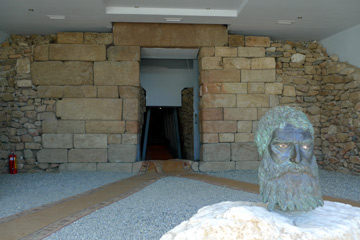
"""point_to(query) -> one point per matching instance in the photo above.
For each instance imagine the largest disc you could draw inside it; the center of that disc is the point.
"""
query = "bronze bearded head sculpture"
(288, 173)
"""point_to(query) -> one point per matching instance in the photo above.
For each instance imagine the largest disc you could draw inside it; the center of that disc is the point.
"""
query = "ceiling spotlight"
(285, 22)
(173, 19)
(30, 9)
(56, 17)
(300, 17)
(207, 8)
(137, 7)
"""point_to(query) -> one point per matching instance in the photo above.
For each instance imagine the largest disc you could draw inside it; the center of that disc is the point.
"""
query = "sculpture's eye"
(282, 145)
(306, 147)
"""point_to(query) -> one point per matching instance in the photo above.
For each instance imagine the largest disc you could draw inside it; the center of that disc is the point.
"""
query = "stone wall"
(186, 112)
(74, 100)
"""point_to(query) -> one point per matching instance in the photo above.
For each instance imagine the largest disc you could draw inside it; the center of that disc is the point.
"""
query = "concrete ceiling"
(311, 19)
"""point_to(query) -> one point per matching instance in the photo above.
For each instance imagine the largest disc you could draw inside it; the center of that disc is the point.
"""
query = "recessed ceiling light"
(30, 9)
(56, 17)
(285, 22)
(207, 8)
(173, 19)
(300, 17)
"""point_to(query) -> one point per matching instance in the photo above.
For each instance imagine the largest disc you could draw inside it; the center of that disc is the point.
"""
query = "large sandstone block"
(78, 167)
(98, 38)
(244, 152)
(89, 109)
(129, 91)
(236, 40)
(263, 63)
(57, 140)
(107, 92)
(115, 167)
(226, 51)
(62, 73)
(63, 126)
(77, 52)
(70, 37)
(241, 114)
(234, 88)
(41, 52)
(250, 52)
(105, 126)
(218, 100)
(23, 65)
(219, 126)
(122, 152)
(85, 91)
(131, 109)
(230, 75)
(258, 75)
(169, 35)
(123, 53)
(274, 88)
(255, 41)
(90, 141)
(217, 152)
(50, 91)
(211, 114)
(208, 63)
(247, 165)
(88, 155)
(252, 100)
(52, 156)
(238, 63)
(117, 73)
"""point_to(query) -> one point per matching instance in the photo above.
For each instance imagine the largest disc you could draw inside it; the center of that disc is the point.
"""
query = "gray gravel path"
(23, 191)
(147, 214)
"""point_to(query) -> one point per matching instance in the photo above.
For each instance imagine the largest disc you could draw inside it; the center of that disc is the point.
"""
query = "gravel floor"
(21, 192)
(147, 214)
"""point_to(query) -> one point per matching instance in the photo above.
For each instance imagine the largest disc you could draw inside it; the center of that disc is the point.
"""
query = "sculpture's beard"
(290, 186)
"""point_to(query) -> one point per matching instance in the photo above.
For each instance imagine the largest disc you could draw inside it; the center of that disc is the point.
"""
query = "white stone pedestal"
(245, 220)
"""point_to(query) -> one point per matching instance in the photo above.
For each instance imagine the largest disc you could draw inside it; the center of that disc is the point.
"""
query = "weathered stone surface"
(117, 73)
(123, 53)
(98, 38)
(129, 91)
(233, 88)
(78, 167)
(77, 52)
(57, 140)
(62, 73)
(247, 220)
(238, 63)
(263, 63)
(85, 91)
(244, 126)
(89, 109)
(208, 63)
(244, 137)
(108, 92)
(211, 114)
(88, 155)
(236, 40)
(240, 114)
(24, 83)
(255, 41)
(216, 166)
(226, 137)
(257, 75)
(105, 126)
(52, 156)
(23, 65)
(251, 52)
(70, 37)
(226, 51)
(131, 109)
(256, 87)
(50, 91)
(169, 35)
(298, 58)
(90, 141)
(41, 52)
(289, 91)
(115, 167)
(63, 126)
(215, 152)
(273, 88)
(230, 75)
(218, 100)
(244, 152)
(219, 126)
(122, 152)
(252, 100)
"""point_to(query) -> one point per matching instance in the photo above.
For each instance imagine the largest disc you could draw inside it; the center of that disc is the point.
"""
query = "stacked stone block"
(237, 84)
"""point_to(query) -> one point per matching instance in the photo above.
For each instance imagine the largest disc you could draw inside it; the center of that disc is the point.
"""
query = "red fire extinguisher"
(12, 163)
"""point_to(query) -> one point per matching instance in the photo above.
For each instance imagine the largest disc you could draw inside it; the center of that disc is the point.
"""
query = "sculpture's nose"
(296, 155)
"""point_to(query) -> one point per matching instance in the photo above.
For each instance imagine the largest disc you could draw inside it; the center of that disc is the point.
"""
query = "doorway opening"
(170, 79)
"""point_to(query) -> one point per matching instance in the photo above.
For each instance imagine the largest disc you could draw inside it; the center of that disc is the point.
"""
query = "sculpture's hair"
(277, 118)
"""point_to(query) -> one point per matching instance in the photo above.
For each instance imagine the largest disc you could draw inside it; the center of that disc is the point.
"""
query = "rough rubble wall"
(186, 123)
(56, 91)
